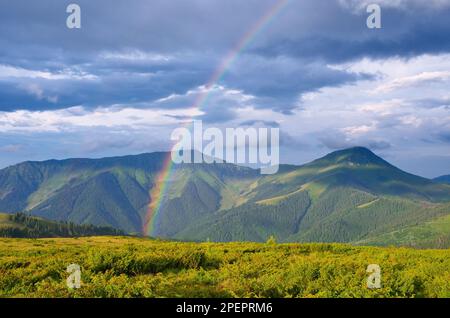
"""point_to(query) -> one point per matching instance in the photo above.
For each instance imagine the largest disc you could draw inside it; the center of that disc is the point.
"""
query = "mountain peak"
(354, 156)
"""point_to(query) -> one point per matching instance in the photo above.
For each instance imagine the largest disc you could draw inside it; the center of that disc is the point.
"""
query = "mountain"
(345, 196)
(23, 226)
(116, 191)
(443, 179)
(350, 195)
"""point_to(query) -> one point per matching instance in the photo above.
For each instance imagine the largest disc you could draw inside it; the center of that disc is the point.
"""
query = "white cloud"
(358, 130)
(384, 107)
(36, 91)
(411, 120)
(136, 55)
(167, 111)
(413, 80)
(203, 91)
(7, 71)
(71, 119)
(404, 105)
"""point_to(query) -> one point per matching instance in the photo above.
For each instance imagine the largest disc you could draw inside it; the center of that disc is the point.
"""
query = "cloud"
(135, 56)
(7, 71)
(358, 130)
(38, 92)
(432, 102)
(361, 5)
(414, 80)
(257, 122)
(284, 79)
(138, 69)
(337, 140)
(214, 104)
(72, 119)
(102, 64)
(11, 148)
(412, 117)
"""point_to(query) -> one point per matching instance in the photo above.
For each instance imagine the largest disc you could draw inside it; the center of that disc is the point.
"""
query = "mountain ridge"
(323, 200)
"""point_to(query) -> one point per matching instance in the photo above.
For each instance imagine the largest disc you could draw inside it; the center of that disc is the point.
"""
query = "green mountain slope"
(116, 191)
(197, 191)
(251, 222)
(430, 234)
(347, 196)
(443, 179)
(357, 168)
(23, 226)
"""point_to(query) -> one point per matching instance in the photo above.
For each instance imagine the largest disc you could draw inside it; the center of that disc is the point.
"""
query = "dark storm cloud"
(103, 84)
(425, 38)
(417, 27)
(140, 51)
(278, 81)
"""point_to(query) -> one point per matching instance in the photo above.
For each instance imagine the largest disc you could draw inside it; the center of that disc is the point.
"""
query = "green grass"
(132, 267)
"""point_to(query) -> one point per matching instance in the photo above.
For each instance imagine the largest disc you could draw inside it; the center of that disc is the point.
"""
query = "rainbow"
(158, 191)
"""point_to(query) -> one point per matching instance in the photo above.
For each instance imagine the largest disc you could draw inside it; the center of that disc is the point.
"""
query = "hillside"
(443, 179)
(22, 226)
(431, 234)
(116, 191)
(136, 267)
(344, 197)
(347, 196)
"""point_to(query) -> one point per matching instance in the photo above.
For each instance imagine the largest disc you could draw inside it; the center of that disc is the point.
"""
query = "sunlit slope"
(343, 197)
(431, 234)
(346, 196)
(116, 191)
(358, 168)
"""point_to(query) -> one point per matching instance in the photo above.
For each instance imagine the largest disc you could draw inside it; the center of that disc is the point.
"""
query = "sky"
(131, 74)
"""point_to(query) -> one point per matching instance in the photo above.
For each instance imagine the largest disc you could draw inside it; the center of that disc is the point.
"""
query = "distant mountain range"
(347, 196)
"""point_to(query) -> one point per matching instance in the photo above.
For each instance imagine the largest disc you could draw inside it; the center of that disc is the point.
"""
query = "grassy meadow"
(138, 267)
